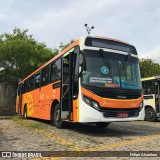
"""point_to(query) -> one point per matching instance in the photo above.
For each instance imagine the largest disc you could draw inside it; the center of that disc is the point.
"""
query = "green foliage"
(63, 46)
(21, 54)
(149, 68)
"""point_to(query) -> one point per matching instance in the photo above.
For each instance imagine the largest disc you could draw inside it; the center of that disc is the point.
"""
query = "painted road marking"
(120, 144)
(96, 148)
(107, 147)
(59, 140)
(55, 138)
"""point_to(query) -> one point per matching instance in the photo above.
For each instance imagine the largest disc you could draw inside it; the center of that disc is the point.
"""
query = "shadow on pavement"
(119, 129)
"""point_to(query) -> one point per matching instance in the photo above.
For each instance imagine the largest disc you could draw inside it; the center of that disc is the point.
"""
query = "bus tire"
(102, 124)
(150, 115)
(25, 112)
(58, 123)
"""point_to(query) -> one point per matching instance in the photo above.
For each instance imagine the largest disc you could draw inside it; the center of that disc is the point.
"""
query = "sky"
(53, 21)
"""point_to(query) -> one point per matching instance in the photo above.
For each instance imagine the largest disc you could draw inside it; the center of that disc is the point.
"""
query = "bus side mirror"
(81, 64)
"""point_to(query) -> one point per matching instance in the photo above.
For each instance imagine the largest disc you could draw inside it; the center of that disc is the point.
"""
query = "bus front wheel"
(102, 124)
(56, 118)
(150, 115)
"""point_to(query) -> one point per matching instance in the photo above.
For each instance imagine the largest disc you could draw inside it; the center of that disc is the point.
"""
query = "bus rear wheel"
(102, 124)
(56, 117)
(150, 115)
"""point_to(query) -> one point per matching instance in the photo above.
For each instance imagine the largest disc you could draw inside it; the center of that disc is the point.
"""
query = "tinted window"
(105, 69)
(56, 70)
(31, 83)
(148, 87)
(25, 86)
(45, 76)
(18, 90)
(102, 43)
(37, 80)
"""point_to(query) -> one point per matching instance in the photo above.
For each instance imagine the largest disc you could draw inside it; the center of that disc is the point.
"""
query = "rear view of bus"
(110, 84)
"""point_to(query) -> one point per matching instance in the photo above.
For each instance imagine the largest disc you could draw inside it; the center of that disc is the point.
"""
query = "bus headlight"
(141, 105)
(87, 100)
(91, 102)
(95, 105)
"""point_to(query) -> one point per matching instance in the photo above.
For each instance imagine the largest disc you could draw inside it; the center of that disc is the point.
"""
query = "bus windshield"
(105, 69)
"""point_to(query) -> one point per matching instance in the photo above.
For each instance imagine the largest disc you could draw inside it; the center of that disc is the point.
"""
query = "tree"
(63, 46)
(21, 54)
(149, 68)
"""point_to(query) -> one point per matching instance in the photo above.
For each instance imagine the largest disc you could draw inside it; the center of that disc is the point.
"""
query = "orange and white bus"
(94, 80)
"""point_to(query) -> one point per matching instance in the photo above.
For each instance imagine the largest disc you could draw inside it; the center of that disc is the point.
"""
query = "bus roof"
(112, 39)
(150, 78)
(52, 59)
(77, 42)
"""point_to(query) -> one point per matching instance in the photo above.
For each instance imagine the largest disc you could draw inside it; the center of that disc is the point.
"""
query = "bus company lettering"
(29, 101)
(100, 79)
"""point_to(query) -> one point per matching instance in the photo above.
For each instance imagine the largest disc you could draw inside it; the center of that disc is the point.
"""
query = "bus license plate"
(122, 115)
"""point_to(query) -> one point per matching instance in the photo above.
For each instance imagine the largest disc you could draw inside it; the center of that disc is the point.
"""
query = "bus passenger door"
(66, 86)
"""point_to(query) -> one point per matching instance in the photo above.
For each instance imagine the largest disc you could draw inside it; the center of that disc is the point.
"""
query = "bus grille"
(120, 95)
(114, 112)
(115, 93)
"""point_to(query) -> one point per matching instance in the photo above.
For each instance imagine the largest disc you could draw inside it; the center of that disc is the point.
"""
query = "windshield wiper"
(125, 62)
(108, 62)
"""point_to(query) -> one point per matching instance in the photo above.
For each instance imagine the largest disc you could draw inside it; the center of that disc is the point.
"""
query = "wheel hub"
(150, 114)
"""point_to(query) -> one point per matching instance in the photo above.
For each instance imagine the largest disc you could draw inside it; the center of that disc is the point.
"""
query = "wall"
(7, 98)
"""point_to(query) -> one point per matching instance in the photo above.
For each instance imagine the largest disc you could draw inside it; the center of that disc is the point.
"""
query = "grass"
(17, 118)
(29, 123)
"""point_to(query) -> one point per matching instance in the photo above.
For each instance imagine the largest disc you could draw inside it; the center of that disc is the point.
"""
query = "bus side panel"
(36, 108)
(150, 101)
(39, 101)
(27, 100)
(42, 103)
(54, 93)
(47, 96)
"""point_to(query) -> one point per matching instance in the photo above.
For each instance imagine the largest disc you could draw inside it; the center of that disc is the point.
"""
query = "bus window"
(37, 80)
(31, 83)
(56, 70)
(156, 87)
(18, 90)
(45, 76)
(148, 87)
(26, 86)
